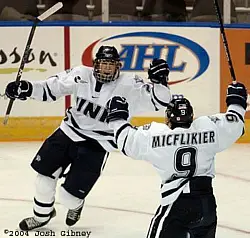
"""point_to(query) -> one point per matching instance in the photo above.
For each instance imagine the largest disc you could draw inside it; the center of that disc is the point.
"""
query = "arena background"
(194, 52)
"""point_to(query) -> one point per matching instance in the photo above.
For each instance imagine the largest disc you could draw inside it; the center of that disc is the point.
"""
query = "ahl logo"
(185, 58)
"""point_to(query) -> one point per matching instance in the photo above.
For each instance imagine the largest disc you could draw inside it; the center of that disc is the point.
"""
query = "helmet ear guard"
(179, 113)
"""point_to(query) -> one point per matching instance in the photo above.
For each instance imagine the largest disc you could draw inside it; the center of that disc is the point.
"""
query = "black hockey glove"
(20, 90)
(237, 94)
(158, 71)
(117, 109)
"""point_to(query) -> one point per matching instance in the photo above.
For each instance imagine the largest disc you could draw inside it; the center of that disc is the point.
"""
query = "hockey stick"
(40, 18)
(224, 39)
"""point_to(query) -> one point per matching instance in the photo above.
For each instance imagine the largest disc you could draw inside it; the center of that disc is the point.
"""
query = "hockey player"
(84, 138)
(182, 151)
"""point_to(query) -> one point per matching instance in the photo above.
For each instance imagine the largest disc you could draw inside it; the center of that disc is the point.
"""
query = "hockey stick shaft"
(20, 70)
(42, 17)
(224, 39)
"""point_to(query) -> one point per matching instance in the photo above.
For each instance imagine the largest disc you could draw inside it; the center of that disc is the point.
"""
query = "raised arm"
(229, 126)
(131, 141)
(150, 96)
(47, 90)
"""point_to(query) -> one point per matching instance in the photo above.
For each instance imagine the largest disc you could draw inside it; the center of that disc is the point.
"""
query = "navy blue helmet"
(179, 113)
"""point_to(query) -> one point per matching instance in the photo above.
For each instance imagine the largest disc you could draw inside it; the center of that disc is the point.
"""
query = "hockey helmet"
(179, 113)
(107, 64)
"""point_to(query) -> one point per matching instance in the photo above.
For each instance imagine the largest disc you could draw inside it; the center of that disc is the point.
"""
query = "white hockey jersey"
(181, 153)
(87, 119)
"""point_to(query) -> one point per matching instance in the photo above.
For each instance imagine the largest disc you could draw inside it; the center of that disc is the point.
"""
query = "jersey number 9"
(185, 161)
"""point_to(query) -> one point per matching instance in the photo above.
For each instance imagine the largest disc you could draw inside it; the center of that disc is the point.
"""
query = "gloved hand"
(158, 72)
(20, 90)
(237, 94)
(117, 109)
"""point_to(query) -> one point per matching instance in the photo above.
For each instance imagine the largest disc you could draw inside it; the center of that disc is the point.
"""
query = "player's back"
(184, 152)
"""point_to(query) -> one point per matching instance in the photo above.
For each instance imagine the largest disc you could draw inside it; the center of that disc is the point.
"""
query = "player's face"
(106, 70)
(107, 67)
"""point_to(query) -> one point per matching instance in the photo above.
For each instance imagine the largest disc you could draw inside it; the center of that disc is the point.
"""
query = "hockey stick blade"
(50, 11)
(42, 17)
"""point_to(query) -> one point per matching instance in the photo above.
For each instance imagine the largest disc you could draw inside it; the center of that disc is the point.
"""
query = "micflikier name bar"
(71, 233)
